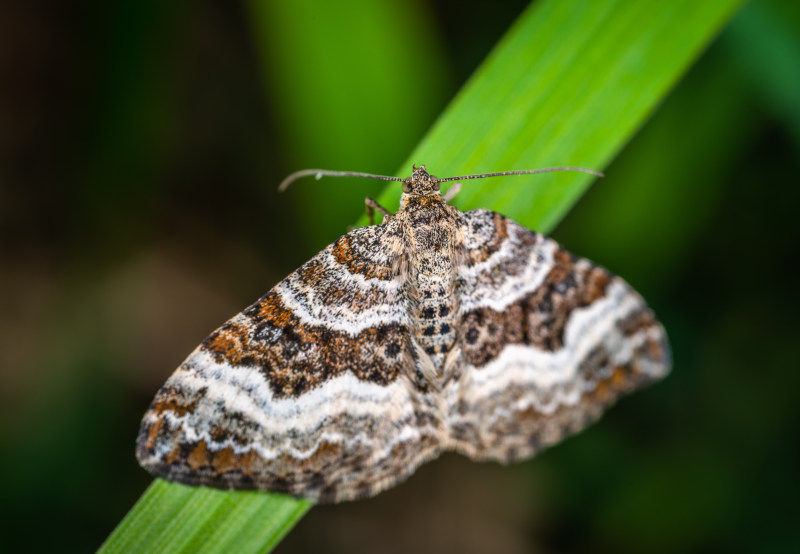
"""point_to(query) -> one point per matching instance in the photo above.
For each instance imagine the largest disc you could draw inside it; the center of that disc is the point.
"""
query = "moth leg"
(452, 191)
(372, 206)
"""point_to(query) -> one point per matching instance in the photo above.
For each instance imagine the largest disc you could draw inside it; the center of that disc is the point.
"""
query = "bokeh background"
(140, 147)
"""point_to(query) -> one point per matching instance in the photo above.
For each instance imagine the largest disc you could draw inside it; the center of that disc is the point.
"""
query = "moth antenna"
(320, 173)
(523, 172)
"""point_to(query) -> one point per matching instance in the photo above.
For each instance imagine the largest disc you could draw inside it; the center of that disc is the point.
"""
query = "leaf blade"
(170, 517)
(577, 101)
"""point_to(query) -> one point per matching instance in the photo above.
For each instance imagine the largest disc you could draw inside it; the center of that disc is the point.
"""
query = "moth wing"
(548, 341)
(305, 391)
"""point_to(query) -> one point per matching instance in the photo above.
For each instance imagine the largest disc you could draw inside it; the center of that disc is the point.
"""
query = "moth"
(436, 330)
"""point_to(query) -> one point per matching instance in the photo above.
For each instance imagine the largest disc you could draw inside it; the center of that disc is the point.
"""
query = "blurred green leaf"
(353, 86)
(767, 45)
(569, 84)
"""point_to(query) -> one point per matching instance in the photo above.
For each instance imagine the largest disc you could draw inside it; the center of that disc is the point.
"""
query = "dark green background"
(140, 149)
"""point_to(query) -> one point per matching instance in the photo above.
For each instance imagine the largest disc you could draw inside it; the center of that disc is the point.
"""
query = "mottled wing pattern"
(306, 391)
(548, 340)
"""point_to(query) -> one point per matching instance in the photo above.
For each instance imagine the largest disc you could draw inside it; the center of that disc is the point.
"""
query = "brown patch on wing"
(225, 460)
(312, 272)
(331, 474)
(170, 399)
(200, 456)
(296, 358)
(499, 234)
(150, 434)
(228, 343)
(636, 321)
(539, 318)
(333, 291)
(345, 253)
(657, 351)
(640, 320)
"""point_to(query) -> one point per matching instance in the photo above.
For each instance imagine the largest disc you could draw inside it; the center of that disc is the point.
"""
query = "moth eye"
(406, 187)
(436, 186)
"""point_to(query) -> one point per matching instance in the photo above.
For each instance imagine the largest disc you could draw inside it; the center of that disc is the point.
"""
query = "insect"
(436, 330)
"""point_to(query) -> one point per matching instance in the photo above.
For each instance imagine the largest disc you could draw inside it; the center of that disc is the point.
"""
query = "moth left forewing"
(548, 340)
(304, 392)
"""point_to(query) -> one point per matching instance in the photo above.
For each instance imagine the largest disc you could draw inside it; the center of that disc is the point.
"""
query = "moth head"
(421, 183)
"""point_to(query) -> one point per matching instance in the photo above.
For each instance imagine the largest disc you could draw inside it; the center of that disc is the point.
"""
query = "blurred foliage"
(137, 210)
(356, 84)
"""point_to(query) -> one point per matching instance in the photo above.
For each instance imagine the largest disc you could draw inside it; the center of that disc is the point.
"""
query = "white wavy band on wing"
(513, 287)
(379, 450)
(587, 328)
(245, 390)
(314, 312)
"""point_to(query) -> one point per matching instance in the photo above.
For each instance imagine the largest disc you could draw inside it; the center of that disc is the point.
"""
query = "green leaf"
(177, 518)
(568, 85)
(334, 78)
